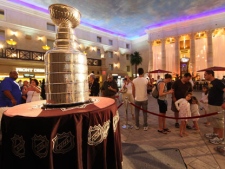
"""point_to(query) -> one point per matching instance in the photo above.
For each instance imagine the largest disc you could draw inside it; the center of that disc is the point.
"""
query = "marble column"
(192, 53)
(209, 48)
(150, 54)
(103, 69)
(177, 55)
(163, 51)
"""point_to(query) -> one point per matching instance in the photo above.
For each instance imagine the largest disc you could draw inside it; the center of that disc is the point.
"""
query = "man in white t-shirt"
(140, 97)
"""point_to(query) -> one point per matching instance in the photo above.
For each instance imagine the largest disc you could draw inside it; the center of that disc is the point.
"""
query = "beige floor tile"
(196, 151)
(198, 164)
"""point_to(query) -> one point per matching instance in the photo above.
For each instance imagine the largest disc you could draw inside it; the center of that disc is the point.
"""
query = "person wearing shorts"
(215, 101)
(181, 87)
(162, 102)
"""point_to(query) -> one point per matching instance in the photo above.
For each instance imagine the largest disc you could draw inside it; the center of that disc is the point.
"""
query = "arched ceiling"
(130, 18)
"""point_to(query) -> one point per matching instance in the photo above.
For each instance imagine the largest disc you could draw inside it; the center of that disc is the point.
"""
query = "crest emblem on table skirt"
(18, 146)
(116, 118)
(40, 145)
(63, 143)
(98, 133)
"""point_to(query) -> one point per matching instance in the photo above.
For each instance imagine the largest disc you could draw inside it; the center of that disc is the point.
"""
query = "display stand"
(127, 126)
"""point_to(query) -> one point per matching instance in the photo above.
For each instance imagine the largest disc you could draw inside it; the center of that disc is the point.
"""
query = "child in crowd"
(195, 112)
(183, 106)
(204, 102)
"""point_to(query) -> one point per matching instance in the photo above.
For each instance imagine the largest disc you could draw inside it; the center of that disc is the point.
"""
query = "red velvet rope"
(120, 105)
(210, 114)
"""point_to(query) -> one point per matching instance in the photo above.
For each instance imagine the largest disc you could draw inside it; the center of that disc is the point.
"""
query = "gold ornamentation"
(40, 145)
(63, 143)
(18, 146)
(116, 118)
(98, 133)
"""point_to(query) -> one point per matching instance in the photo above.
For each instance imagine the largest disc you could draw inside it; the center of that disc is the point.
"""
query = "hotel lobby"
(178, 37)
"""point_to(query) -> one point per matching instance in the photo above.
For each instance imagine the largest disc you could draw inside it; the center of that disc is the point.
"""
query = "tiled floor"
(196, 150)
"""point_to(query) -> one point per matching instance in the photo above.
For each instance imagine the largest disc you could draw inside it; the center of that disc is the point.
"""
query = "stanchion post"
(127, 126)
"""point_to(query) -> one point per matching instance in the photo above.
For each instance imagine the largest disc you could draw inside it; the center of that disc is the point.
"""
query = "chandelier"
(11, 42)
(46, 47)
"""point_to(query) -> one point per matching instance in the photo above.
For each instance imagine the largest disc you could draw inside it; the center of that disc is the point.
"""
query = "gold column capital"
(209, 32)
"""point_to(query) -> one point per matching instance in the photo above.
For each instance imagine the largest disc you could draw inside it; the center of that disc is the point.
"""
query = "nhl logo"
(63, 143)
(18, 146)
(40, 145)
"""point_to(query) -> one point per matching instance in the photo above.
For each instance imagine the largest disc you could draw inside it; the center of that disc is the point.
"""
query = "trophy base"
(65, 105)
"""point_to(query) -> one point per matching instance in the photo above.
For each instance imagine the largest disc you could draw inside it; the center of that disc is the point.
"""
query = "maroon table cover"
(85, 137)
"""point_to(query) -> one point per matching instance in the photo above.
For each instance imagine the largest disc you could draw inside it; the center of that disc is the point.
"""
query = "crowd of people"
(13, 93)
(184, 103)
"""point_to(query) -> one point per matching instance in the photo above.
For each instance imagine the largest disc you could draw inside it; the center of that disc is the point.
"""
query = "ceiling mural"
(130, 18)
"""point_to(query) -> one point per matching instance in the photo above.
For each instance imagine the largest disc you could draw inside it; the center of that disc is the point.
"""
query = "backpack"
(155, 91)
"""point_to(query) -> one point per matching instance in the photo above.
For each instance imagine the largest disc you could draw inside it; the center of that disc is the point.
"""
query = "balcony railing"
(11, 53)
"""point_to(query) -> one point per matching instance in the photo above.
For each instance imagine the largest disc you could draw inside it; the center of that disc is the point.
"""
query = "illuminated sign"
(28, 75)
(19, 69)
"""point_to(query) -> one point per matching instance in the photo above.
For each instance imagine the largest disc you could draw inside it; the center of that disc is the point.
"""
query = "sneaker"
(136, 127)
(211, 135)
(177, 125)
(188, 127)
(216, 140)
(220, 149)
(145, 128)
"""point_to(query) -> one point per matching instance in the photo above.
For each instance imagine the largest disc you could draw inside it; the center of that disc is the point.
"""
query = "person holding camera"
(109, 87)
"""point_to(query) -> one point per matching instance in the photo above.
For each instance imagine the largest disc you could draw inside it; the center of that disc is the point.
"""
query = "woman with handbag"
(127, 92)
(33, 91)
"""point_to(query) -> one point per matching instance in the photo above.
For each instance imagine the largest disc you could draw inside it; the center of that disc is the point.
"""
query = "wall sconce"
(46, 47)
(1, 46)
(14, 33)
(93, 48)
(40, 38)
(116, 65)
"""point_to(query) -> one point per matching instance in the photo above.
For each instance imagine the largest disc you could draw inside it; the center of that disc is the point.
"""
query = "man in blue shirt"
(10, 93)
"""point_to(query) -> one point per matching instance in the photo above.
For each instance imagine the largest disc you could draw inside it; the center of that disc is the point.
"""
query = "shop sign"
(19, 69)
(28, 75)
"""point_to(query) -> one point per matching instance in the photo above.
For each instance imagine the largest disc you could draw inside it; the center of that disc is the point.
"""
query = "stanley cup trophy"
(66, 67)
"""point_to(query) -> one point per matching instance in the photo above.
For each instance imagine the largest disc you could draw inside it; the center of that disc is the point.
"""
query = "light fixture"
(11, 42)
(93, 48)
(184, 59)
(1, 46)
(46, 47)
(40, 38)
(14, 33)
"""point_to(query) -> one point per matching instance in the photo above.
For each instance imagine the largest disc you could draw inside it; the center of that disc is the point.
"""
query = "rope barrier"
(120, 105)
(210, 114)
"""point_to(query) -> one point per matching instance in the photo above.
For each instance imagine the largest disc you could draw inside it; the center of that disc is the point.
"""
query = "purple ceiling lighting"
(182, 19)
(46, 11)
(124, 22)
(29, 5)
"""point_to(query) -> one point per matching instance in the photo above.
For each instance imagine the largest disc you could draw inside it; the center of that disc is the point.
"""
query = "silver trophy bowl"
(66, 67)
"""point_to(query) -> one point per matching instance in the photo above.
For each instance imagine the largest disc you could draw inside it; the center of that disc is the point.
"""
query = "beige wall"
(141, 45)
(30, 24)
(7, 65)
